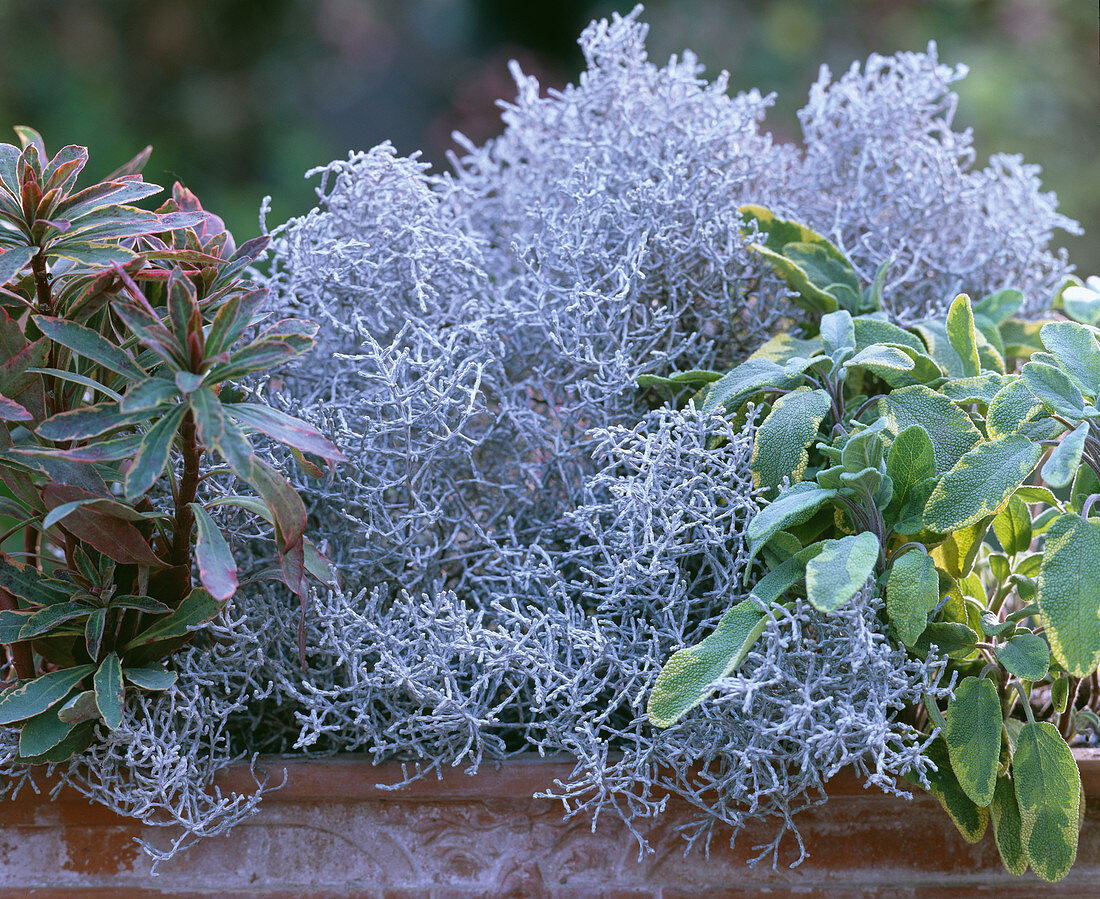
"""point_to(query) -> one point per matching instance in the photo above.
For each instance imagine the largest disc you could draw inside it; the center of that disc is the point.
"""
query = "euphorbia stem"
(189, 485)
(19, 653)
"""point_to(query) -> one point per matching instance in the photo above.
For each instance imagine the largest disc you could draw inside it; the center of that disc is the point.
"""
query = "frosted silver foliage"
(524, 538)
(886, 177)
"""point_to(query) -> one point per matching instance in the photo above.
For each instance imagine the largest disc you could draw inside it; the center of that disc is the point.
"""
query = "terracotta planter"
(331, 831)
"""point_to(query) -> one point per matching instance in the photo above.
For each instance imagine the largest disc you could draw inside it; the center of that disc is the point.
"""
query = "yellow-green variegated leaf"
(782, 348)
(1069, 601)
(689, 675)
(1048, 793)
(871, 330)
(959, 550)
(1061, 468)
(960, 332)
(1012, 407)
(979, 389)
(973, 737)
(982, 479)
(1005, 816)
(912, 591)
(1021, 337)
(781, 446)
(790, 508)
(1076, 350)
(744, 381)
(949, 427)
(840, 570)
(970, 819)
(1055, 388)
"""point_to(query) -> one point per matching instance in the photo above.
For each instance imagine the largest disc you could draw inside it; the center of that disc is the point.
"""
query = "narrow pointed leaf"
(688, 676)
(156, 446)
(13, 261)
(196, 609)
(150, 678)
(288, 430)
(93, 631)
(89, 344)
(35, 696)
(110, 692)
(217, 568)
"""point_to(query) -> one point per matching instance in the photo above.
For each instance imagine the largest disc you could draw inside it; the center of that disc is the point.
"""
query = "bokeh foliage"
(240, 97)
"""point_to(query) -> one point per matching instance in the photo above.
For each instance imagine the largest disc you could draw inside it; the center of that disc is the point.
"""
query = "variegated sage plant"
(954, 467)
(122, 332)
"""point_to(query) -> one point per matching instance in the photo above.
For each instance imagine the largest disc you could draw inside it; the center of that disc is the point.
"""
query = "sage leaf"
(1055, 388)
(1077, 352)
(980, 482)
(1048, 793)
(840, 570)
(1004, 813)
(781, 446)
(912, 591)
(792, 507)
(1012, 407)
(688, 676)
(970, 819)
(1012, 525)
(973, 737)
(949, 427)
(1026, 655)
(1069, 602)
(1061, 468)
(960, 332)
(838, 335)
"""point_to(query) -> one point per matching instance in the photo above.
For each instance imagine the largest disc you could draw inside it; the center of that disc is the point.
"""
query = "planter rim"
(356, 777)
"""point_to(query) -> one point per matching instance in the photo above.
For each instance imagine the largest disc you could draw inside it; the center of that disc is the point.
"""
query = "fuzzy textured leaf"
(973, 737)
(840, 570)
(1068, 600)
(1048, 793)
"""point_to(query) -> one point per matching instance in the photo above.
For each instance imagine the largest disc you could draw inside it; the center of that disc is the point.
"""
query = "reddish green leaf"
(96, 197)
(149, 394)
(115, 538)
(89, 344)
(47, 619)
(286, 429)
(217, 568)
(12, 411)
(150, 678)
(93, 631)
(87, 422)
(63, 170)
(258, 356)
(78, 739)
(13, 261)
(285, 504)
(231, 321)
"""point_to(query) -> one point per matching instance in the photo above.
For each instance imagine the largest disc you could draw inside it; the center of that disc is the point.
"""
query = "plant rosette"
(122, 334)
(953, 467)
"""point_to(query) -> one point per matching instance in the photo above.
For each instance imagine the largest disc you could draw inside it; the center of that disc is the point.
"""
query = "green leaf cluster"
(122, 334)
(952, 467)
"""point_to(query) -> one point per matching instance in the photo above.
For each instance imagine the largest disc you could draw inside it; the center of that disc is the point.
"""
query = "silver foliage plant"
(523, 537)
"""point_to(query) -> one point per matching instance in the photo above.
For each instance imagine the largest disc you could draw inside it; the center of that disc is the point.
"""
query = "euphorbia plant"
(913, 460)
(121, 332)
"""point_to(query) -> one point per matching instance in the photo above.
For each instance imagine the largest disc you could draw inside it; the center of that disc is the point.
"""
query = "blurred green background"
(240, 97)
